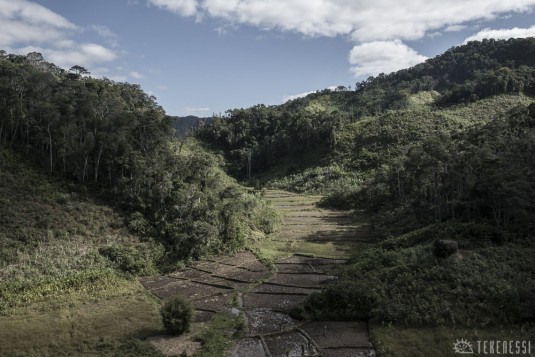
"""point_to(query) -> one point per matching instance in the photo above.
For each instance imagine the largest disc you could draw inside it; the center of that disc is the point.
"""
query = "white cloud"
(455, 28)
(15, 32)
(502, 34)
(181, 7)
(85, 55)
(363, 20)
(136, 75)
(372, 58)
(287, 98)
(25, 21)
(377, 27)
(30, 27)
(32, 13)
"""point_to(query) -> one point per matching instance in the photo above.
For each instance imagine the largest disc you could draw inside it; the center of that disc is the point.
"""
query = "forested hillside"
(95, 191)
(115, 140)
(463, 74)
(186, 125)
(440, 152)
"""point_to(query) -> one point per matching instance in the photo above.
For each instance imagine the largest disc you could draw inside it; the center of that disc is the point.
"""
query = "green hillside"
(96, 191)
(438, 154)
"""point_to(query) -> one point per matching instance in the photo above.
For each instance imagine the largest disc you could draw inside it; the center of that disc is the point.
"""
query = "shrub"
(344, 300)
(137, 261)
(177, 315)
(443, 248)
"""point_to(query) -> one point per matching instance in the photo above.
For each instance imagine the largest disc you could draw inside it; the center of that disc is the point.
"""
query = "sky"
(200, 57)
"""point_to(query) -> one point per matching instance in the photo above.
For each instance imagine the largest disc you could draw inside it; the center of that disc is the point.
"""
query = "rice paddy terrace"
(308, 248)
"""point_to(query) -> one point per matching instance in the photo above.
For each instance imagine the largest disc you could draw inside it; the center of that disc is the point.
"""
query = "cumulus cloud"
(502, 34)
(363, 20)
(455, 28)
(181, 7)
(372, 58)
(32, 14)
(86, 55)
(377, 27)
(22, 21)
(30, 27)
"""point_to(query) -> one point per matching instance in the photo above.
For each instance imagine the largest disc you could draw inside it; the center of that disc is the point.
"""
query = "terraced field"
(241, 283)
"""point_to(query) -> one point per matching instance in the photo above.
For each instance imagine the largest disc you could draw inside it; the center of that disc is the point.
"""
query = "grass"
(293, 239)
(400, 341)
(279, 249)
(219, 335)
(103, 327)
(58, 295)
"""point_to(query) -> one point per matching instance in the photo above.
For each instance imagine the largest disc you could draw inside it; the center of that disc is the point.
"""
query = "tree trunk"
(50, 146)
(85, 168)
(97, 164)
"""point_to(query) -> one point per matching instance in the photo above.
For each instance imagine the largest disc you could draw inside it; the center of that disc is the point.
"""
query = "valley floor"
(302, 256)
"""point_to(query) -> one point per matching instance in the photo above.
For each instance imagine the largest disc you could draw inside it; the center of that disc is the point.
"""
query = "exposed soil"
(265, 296)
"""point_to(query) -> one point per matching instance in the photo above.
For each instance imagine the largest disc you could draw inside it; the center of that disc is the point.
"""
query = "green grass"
(103, 327)
(400, 341)
(295, 242)
(280, 249)
(220, 334)
(58, 295)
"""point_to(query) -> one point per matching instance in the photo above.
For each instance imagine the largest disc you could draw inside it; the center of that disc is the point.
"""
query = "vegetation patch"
(220, 333)
(177, 315)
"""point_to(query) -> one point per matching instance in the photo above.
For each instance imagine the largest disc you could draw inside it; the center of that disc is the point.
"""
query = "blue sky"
(206, 56)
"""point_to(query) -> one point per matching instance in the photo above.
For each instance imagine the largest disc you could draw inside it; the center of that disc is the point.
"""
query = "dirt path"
(265, 297)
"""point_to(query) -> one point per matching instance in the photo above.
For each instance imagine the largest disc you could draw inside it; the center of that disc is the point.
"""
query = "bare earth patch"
(175, 345)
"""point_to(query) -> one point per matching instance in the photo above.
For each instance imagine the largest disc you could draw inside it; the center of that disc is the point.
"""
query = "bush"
(344, 300)
(443, 248)
(139, 260)
(177, 315)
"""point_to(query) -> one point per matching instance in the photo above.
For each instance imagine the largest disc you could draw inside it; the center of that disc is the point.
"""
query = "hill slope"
(96, 191)
(441, 156)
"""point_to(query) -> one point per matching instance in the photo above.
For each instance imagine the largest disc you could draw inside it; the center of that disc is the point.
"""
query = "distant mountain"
(183, 125)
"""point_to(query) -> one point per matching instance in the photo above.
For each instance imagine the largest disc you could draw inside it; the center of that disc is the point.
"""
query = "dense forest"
(115, 141)
(442, 151)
